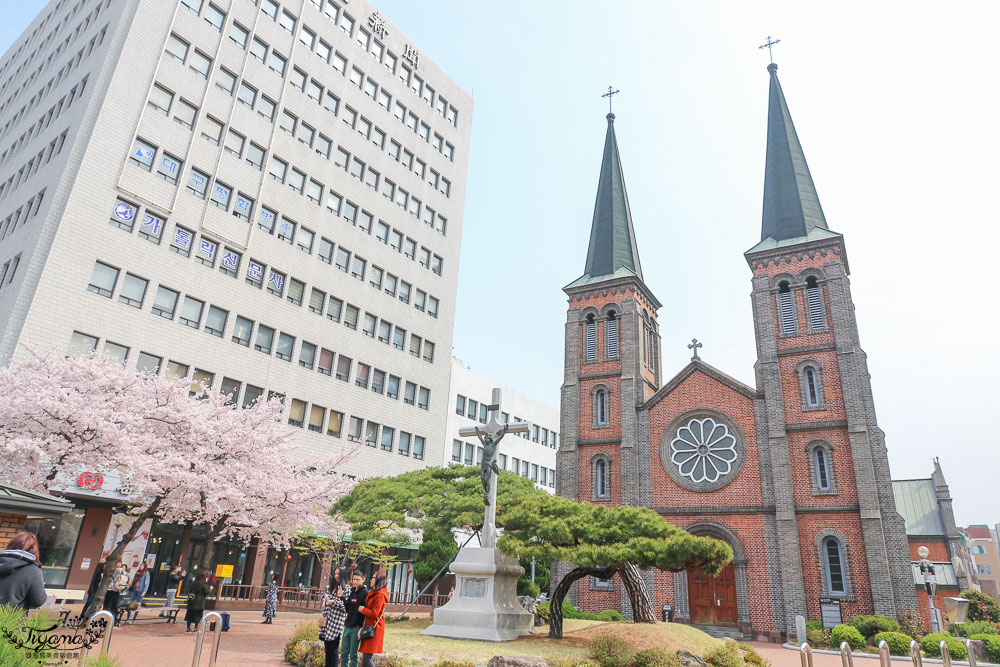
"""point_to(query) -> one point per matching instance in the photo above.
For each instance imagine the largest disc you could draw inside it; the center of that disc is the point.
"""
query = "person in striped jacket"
(334, 616)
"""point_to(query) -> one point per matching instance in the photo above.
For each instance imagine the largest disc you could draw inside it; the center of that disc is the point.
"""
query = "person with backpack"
(21, 581)
(117, 586)
(140, 584)
(197, 595)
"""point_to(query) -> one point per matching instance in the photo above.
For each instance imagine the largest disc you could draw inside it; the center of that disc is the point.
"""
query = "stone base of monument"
(484, 605)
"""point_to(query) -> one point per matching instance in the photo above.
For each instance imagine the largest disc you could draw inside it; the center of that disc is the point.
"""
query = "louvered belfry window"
(611, 337)
(814, 306)
(786, 309)
(590, 343)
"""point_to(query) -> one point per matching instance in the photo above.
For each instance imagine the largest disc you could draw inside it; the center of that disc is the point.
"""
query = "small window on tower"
(590, 342)
(611, 336)
(815, 308)
(602, 486)
(601, 407)
(786, 310)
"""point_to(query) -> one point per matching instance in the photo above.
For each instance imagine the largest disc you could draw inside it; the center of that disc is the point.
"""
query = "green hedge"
(931, 646)
(992, 645)
(869, 626)
(847, 633)
(899, 644)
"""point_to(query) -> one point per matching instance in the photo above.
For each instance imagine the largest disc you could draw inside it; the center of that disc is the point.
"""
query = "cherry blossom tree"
(188, 454)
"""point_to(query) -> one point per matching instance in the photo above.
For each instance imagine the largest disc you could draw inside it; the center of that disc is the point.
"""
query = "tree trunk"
(642, 606)
(559, 594)
(208, 553)
(116, 554)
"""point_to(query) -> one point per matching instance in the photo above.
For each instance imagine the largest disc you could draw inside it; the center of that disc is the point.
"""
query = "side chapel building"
(792, 473)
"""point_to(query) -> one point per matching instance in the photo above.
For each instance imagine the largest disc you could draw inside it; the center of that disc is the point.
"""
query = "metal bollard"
(106, 644)
(884, 657)
(846, 654)
(806, 655)
(972, 656)
(201, 638)
(945, 655)
(915, 654)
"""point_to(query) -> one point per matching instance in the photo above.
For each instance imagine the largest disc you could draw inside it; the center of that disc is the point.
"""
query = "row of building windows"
(53, 56)
(479, 410)
(611, 344)
(788, 318)
(167, 304)
(539, 474)
(320, 419)
(23, 213)
(279, 284)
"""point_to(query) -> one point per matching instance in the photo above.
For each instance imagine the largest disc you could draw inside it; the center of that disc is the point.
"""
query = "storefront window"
(56, 544)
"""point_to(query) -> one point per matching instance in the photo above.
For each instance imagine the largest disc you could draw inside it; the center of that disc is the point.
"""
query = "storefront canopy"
(15, 500)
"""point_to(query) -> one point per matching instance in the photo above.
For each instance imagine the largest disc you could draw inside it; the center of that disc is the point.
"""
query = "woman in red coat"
(374, 611)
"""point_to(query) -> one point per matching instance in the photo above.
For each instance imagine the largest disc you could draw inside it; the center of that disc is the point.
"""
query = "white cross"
(490, 436)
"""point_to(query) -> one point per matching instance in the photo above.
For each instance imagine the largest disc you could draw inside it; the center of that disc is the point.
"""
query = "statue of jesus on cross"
(490, 436)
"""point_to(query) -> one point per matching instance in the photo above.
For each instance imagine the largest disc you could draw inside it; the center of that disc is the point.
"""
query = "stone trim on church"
(723, 459)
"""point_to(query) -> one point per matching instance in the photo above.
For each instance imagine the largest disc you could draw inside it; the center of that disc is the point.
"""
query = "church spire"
(612, 251)
(791, 205)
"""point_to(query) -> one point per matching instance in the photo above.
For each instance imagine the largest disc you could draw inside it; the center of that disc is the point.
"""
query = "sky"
(895, 105)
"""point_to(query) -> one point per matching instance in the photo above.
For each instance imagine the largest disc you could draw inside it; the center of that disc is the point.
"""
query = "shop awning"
(15, 500)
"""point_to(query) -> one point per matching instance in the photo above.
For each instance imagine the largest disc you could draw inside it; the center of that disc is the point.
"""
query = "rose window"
(703, 450)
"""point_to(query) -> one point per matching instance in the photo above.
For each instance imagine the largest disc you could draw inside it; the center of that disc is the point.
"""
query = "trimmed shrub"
(655, 657)
(814, 625)
(982, 607)
(569, 611)
(751, 657)
(974, 628)
(992, 645)
(610, 616)
(307, 632)
(869, 626)
(610, 650)
(725, 655)
(847, 633)
(910, 624)
(899, 644)
(817, 638)
(931, 646)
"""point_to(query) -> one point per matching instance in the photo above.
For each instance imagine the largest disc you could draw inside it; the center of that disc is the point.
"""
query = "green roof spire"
(612, 251)
(791, 205)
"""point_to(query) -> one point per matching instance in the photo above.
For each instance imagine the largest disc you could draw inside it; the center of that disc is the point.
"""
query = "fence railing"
(312, 598)
(884, 655)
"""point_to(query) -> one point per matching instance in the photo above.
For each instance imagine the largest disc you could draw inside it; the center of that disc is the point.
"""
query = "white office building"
(263, 196)
(531, 454)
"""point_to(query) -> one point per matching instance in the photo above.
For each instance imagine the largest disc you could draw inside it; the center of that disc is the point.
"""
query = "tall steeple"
(791, 205)
(613, 252)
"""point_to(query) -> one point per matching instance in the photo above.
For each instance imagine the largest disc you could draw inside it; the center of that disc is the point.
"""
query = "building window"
(812, 390)
(811, 385)
(456, 451)
(822, 469)
(165, 302)
(786, 310)
(601, 483)
(103, 279)
(611, 336)
(815, 308)
(601, 407)
(242, 330)
(590, 339)
(142, 154)
(598, 584)
(215, 323)
(833, 562)
(133, 290)
(821, 466)
(191, 312)
(80, 344)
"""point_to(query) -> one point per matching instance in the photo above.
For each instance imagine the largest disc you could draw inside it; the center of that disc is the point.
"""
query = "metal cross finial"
(693, 346)
(611, 92)
(767, 45)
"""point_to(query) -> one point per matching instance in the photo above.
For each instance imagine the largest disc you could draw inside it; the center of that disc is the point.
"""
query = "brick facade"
(10, 525)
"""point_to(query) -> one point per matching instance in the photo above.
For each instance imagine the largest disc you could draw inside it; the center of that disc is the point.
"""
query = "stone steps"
(723, 632)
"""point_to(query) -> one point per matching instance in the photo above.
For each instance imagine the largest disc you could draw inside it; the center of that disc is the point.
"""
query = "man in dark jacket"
(21, 582)
(354, 600)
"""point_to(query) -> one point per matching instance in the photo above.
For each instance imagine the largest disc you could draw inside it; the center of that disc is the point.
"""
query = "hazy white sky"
(896, 105)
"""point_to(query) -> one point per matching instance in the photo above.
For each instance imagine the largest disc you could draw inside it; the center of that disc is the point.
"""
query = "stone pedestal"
(484, 605)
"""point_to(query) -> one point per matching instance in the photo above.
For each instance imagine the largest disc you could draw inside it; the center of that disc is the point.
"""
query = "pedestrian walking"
(174, 579)
(353, 601)
(374, 612)
(332, 624)
(197, 595)
(21, 581)
(271, 604)
(140, 584)
(117, 586)
(95, 581)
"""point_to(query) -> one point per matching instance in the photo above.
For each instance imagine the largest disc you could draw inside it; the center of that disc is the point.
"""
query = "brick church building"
(791, 473)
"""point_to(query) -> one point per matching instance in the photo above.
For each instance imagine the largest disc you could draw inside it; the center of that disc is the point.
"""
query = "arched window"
(786, 309)
(590, 342)
(601, 479)
(822, 469)
(815, 309)
(812, 387)
(611, 336)
(601, 407)
(833, 562)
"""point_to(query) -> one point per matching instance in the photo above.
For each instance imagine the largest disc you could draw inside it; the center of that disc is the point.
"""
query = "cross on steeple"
(693, 346)
(767, 45)
(611, 92)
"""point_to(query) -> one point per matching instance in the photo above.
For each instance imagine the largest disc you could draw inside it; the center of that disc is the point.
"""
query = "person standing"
(334, 615)
(174, 579)
(271, 604)
(374, 612)
(353, 601)
(140, 584)
(21, 581)
(197, 595)
(95, 580)
(118, 584)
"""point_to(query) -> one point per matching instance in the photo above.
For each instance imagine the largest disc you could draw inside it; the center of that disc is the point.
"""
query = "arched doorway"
(712, 600)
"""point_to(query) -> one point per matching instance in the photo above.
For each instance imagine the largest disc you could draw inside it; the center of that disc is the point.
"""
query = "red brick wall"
(843, 467)
(849, 524)
(10, 525)
(938, 547)
(587, 478)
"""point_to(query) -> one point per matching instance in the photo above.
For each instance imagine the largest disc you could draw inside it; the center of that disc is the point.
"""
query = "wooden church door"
(712, 600)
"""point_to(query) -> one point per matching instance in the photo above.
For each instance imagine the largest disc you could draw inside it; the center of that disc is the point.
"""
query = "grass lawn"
(404, 639)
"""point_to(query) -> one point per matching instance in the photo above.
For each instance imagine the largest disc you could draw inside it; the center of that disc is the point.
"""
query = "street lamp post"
(930, 584)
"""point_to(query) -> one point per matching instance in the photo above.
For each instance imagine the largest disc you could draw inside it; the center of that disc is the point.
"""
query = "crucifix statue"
(693, 346)
(611, 93)
(490, 436)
